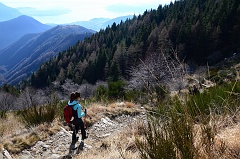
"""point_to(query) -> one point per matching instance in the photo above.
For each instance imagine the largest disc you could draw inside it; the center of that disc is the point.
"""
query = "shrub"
(169, 135)
(60, 108)
(171, 130)
(116, 89)
(38, 114)
(157, 142)
(133, 95)
(3, 114)
(218, 99)
(213, 72)
(101, 93)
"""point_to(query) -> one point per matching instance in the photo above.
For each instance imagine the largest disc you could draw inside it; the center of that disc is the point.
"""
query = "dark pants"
(78, 124)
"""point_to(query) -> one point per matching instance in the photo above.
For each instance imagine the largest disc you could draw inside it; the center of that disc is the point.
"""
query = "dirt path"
(57, 146)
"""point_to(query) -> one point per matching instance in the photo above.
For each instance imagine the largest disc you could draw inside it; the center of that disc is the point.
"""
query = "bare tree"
(178, 72)
(30, 97)
(159, 70)
(6, 103)
(88, 90)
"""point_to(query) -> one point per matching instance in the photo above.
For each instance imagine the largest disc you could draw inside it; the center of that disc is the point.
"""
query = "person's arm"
(80, 113)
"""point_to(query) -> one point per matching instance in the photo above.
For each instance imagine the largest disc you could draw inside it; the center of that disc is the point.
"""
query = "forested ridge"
(200, 31)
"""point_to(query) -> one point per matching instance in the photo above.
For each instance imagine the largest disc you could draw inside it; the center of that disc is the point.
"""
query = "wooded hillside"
(200, 31)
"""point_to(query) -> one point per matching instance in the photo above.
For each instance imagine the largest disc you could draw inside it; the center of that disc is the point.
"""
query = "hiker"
(77, 114)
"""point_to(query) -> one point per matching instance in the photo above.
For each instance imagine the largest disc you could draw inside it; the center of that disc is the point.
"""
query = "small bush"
(3, 114)
(37, 115)
(172, 133)
(213, 72)
(157, 142)
(133, 95)
(170, 136)
(115, 89)
(101, 93)
(60, 108)
(218, 99)
(161, 93)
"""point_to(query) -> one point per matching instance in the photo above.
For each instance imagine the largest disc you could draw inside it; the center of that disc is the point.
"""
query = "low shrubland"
(183, 126)
(188, 127)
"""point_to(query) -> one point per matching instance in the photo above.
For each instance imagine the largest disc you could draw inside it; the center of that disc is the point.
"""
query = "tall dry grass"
(10, 125)
(190, 127)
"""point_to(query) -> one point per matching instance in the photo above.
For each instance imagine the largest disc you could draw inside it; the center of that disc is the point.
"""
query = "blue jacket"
(76, 106)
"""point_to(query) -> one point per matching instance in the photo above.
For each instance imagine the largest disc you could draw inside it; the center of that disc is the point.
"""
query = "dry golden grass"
(46, 130)
(130, 104)
(10, 125)
(226, 139)
(231, 138)
(18, 143)
(97, 111)
(15, 137)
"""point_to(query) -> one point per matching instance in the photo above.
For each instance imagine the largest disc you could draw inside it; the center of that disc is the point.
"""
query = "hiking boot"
(72, 147)
(81, 145)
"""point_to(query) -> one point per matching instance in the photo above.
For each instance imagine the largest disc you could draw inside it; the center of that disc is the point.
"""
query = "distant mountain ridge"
(93, 24)
(101, 23)
(116, 20)
(8, 13)
(12, 30)
(24, 56)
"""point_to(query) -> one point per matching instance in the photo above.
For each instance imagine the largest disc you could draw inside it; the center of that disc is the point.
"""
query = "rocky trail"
(57, 146)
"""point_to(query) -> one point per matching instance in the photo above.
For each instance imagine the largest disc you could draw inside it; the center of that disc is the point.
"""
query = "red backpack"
(69, 113)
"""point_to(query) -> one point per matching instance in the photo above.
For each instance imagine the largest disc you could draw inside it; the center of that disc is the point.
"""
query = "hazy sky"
(66, 11)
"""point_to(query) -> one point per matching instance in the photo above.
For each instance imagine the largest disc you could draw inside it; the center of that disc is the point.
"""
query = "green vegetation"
(200, 31)
(101, 92)
(10, 89)
(115, 89)
(219, 99)
(173, 127)
(36, 115)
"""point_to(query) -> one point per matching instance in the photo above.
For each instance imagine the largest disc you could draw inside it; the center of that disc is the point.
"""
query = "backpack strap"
(75, 115)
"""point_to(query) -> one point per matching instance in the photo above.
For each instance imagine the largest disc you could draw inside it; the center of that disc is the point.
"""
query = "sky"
(67, 11)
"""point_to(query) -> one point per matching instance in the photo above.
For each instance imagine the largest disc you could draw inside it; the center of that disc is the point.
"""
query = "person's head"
(72, 96)
(77, 96)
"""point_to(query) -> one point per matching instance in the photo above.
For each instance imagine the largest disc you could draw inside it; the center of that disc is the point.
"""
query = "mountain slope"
(27, 54)
(13, 30)
(199, 32)
(8, 13)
